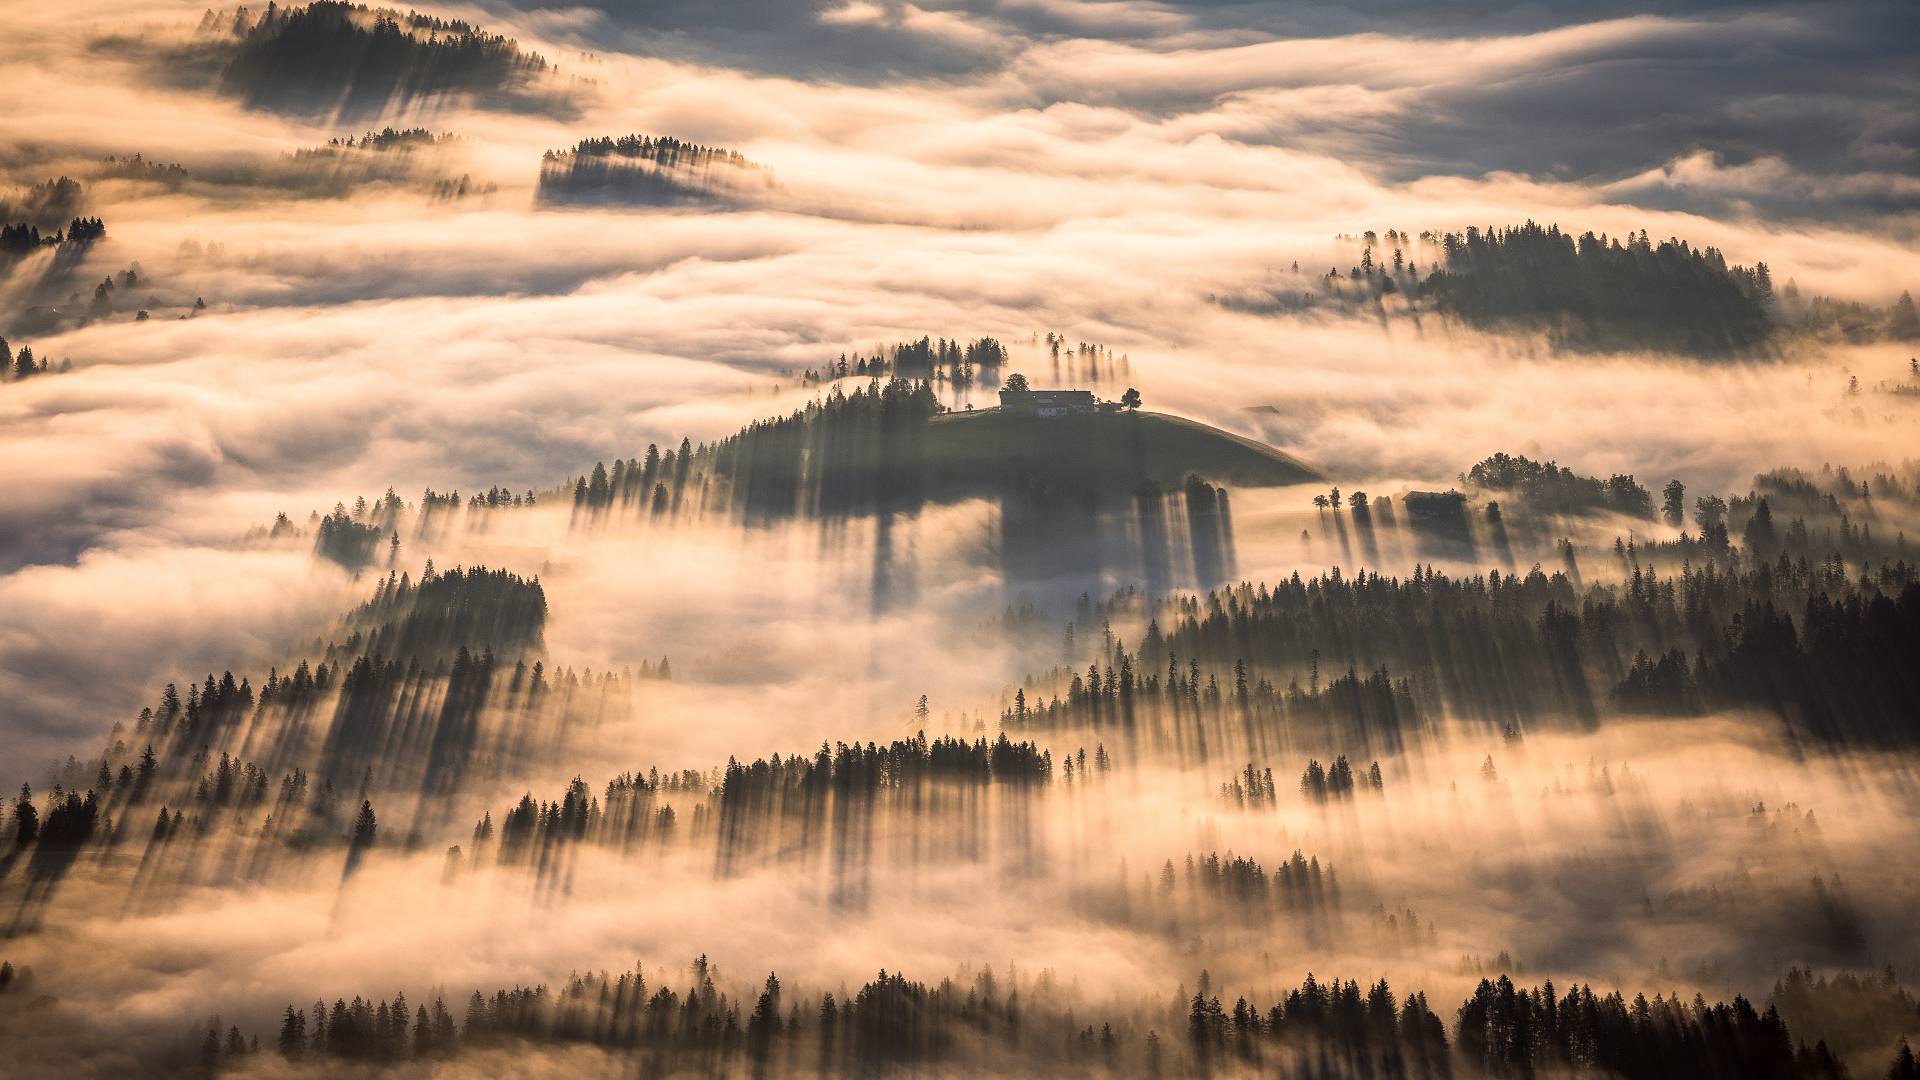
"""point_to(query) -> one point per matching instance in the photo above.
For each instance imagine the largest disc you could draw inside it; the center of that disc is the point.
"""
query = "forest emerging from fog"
(1137, 540)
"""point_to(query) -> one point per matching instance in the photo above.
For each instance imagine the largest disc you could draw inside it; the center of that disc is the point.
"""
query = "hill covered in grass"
(1110, 453)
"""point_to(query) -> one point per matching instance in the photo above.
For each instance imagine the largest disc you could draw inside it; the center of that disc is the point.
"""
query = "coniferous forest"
(1164, 541)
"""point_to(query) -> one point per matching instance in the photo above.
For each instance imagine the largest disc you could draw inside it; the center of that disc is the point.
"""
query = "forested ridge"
(334, 58)
(983, 1021)
(1582, 291)
(645, 170)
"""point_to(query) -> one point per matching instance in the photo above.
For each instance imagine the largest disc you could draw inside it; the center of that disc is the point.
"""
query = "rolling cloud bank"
(517, 559)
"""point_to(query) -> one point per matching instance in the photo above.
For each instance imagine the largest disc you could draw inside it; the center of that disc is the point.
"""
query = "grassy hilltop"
(1110, 452)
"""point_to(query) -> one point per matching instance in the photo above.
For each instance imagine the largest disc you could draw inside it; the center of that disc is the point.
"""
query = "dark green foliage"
(1849, 1013)
(639, 170)
(1553, 489)
(1508, 1031)
(475, 608)
(46, 204)
(336, 58)
(25, 238)
(1592, 291)
(350, 543)
(1808, 643)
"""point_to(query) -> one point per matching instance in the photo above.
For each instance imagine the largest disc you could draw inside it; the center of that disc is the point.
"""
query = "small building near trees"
(1048, 403)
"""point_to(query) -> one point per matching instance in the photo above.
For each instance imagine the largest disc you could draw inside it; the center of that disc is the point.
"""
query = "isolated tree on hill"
(1674, 502)
(1131, 399)
(26, 818)
(1017, 382)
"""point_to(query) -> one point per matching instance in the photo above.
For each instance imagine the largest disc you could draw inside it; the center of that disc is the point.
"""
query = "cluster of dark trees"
(1596, 291)
(1197, 718)
(494, 498)
(387, 138)
(1810, 643)
(1842, 671)
(939, 361)
(496, 609)
(790, 808)
(25, 238)
(140, 167)
(1585, 292)
(1504, 1030)
(641, 170)
(24, 365)
(1550, 488)
(1297, 884)
(1320, 784)
(1319, 1029)
(46, 204)
(350, 59)
(656, 484)
(843, 453)
(411, 700)
(984, 1024)
(352, 544)
(1851, 1012)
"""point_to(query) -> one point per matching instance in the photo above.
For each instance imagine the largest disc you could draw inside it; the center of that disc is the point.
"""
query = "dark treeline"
(408, 707)
(1550, 488)
(349, 59)
(497, 610)
(403, 156)
(1516, 1031)
(938, 361)
(985, 1024)
(915, 800)
(1592, 290)
(843, 453)
(386, 139)
(25, 365)
(1818, 647)
(45, 205)
(138, 166)
(1584, 292)
(643, 170)
(25, 238)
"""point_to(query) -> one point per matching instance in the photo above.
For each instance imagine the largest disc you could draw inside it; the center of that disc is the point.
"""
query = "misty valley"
(1135, 540)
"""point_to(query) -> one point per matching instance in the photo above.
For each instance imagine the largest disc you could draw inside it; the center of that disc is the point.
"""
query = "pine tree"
(293, 1034)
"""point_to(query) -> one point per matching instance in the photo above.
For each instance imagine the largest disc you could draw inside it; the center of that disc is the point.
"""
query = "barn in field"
(1048, 402)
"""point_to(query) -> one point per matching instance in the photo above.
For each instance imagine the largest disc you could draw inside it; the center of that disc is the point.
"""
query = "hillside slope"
(1110, 452)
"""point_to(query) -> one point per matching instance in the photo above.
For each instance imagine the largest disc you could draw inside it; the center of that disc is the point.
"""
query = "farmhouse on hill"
(1048, 402)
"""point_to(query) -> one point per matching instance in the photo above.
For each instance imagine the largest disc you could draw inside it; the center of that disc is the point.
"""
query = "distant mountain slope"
(1111, 452)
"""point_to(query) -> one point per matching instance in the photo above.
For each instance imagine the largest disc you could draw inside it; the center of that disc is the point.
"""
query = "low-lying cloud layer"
(1116, 172)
